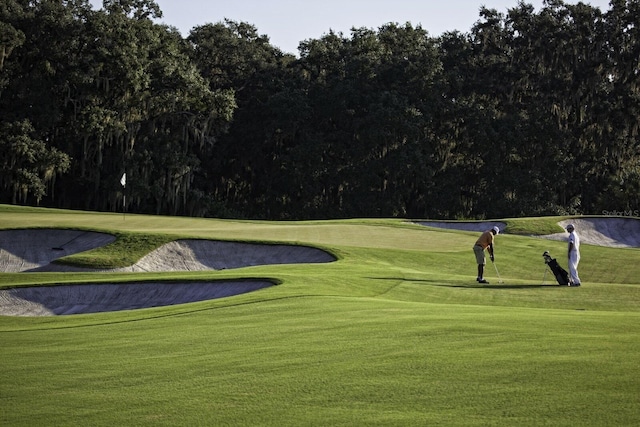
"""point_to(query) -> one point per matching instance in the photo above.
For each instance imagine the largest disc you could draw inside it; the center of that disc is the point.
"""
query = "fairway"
(390, 328)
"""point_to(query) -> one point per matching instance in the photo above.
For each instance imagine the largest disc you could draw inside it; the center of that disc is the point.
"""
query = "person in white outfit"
(574, 255)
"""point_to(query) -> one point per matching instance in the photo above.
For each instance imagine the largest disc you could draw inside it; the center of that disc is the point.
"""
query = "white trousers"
(574, 260)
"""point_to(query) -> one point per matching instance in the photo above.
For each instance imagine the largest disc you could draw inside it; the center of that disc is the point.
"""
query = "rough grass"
(396, 332)
(539, 226)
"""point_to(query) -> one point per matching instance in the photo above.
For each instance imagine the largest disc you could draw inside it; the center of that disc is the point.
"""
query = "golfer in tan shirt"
(484, 242)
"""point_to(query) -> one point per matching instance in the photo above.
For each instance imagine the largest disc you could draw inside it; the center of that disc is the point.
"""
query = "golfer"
(573, 255)
(484, 242)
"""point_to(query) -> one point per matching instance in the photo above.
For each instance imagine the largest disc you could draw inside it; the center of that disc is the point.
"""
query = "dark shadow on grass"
(401, 279)
(499, 286)
(471, 285)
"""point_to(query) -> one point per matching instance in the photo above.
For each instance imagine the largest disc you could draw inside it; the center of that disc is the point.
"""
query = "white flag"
(123, 180)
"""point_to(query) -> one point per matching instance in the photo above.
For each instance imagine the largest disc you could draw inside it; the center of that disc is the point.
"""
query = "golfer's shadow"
(501, 286)
(468, 286)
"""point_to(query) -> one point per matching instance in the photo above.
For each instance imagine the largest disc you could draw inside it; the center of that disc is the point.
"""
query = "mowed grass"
(396, 332)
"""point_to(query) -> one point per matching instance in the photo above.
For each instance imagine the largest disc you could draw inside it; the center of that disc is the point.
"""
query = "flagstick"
(123, 181)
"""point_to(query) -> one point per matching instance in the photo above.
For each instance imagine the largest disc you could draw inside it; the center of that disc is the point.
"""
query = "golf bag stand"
(561, 275)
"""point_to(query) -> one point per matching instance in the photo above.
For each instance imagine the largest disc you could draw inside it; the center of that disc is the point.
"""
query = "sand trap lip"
(465, 226)
(93, 298)
(614, 232)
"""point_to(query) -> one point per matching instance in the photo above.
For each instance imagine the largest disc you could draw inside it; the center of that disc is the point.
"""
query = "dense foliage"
(528, 113)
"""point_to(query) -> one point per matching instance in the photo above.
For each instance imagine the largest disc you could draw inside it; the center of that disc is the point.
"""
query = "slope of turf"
(396, 332)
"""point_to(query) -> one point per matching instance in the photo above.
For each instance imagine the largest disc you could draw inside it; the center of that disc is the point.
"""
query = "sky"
(288, 22)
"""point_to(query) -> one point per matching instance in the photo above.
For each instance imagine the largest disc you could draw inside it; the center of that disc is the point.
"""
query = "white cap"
(496, 229)
(571, 227)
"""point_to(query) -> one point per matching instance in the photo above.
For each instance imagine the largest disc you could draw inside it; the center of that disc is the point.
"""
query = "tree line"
(528, 113)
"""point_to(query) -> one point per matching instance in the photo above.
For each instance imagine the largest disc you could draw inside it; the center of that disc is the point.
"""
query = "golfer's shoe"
(574, 284)
(482, 281)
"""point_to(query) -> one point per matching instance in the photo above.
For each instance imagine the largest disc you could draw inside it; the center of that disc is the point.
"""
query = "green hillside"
(395, 332)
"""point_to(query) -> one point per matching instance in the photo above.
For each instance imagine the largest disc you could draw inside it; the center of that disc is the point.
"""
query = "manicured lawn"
(396, 332)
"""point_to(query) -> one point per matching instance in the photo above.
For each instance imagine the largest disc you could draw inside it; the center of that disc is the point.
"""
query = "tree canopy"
(527, 113)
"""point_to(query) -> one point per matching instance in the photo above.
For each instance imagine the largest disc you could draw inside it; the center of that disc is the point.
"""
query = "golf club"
(496, 267)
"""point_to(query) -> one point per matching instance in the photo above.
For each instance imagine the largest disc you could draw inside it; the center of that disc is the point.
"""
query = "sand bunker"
(36, 249)
(24, 250)
(611, 232)
(195, 255)
(94, 298)
(615, 232)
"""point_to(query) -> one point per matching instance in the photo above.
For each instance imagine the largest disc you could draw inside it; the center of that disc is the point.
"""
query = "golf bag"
(561, 275)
